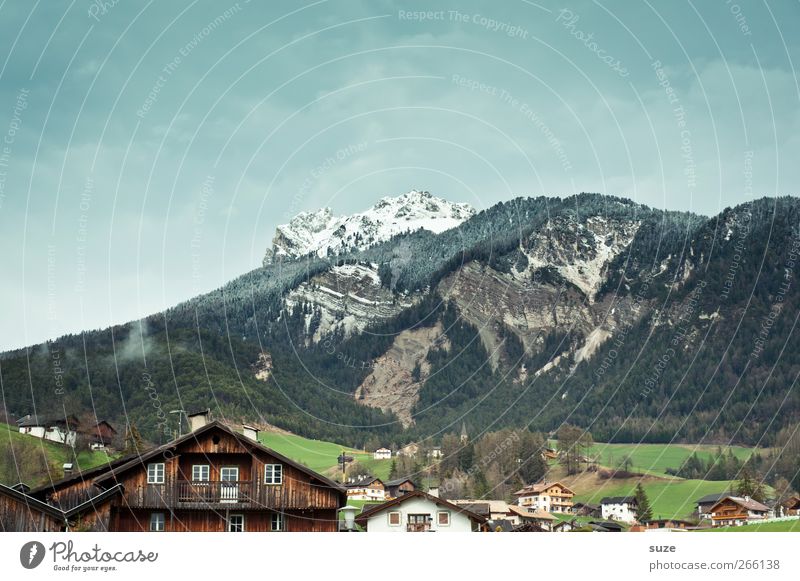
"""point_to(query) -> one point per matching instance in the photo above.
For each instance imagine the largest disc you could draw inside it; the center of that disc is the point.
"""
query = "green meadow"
(321, 456)
(654, 459)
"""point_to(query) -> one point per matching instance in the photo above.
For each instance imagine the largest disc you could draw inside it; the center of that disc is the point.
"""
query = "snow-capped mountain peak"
(326, 234)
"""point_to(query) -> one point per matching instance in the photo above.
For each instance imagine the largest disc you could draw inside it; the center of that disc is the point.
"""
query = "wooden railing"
(230, 494)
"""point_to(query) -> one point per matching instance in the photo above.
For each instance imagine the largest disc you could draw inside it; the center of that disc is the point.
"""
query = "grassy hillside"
(669, 498)
(321, 456)
(654, 459)
(34, 461)
(785, 526)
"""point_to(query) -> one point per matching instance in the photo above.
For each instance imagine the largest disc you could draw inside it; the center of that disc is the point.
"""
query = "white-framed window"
(155, 473)
(273, 474)
(395, 518)
(236, 523)
(277, 521)
(201, 473)
(157, 522)
(443, 518)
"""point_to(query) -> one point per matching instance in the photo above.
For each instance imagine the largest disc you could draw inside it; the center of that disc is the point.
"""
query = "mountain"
(324, 234)
(636, 323)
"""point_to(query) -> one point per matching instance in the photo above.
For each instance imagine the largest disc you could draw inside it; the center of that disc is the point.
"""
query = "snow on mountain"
(325, 234)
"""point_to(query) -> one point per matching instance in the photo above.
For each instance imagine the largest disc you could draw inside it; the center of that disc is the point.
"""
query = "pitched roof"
(244, 441)
(537, 514)
(540, 487)
(618, 500)
(398, 482)
(491, 506)
(55, 512)
(361, 482)
(747, 503)
(362, 518)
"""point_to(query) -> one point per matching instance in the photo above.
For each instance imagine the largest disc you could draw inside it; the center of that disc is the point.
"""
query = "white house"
(547, 496)
(366, 488)
(417, 512)
(382, 454)
(619, 508)
(60, 430)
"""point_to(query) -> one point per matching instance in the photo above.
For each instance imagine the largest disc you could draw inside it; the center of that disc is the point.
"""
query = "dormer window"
(273, 474)
(155, 473)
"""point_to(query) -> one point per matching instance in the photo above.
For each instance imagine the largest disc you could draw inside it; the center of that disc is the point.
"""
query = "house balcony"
(242, 494)
(418, 527)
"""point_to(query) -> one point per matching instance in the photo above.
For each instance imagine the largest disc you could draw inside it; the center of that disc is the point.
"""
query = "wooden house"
(737, 510)
(707, 502)
(212, 479)
(398, 487)
(791, 506)
(21, 512)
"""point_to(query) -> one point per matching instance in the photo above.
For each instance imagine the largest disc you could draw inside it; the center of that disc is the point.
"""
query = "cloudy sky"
(149, 149)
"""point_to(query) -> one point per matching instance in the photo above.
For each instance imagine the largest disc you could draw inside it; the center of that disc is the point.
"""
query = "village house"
(99, 436)
(551, 497)
(212, 479)
(418, 511)
(619, 508)
(382, 454)
(491, 510)
(62, 430)
(707, 502)
(365, 488)
(398, 487)
(791, 506)
(737, 510)
(588, 509)
(665, 525)
(565, 526)
(435, 453)
(541, 517)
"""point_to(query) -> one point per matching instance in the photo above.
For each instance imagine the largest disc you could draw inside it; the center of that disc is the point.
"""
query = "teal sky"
(149, 149)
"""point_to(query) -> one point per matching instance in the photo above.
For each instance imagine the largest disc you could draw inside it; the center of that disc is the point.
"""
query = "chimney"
(199, 419)
(434, 491)
(250, 432)
(67, 469)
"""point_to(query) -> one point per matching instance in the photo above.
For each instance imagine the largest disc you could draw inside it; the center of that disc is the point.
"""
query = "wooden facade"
(733, 510)
(212, 479)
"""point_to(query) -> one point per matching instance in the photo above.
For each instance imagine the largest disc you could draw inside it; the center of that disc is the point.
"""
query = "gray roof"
(618, 500)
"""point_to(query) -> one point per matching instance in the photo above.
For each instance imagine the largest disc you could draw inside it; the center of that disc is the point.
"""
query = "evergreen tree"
(643, 510)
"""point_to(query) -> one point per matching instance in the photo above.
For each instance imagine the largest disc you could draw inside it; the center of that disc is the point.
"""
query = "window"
(157, 522)
(394, 519)
(443, 518)
(277, 521)
(236, 523)
(273, 474)
(155, 473)
(201, 473)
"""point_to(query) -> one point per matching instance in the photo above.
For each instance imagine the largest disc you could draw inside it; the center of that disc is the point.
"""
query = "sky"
(149, 149)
